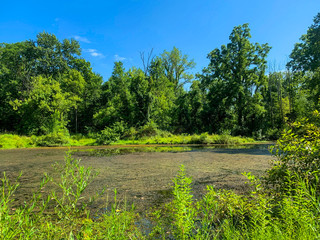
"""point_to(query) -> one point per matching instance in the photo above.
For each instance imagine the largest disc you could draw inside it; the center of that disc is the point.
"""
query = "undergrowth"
(9, 141)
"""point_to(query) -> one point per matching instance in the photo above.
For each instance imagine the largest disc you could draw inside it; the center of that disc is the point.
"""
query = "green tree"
(46, 57)
(142, 96)
(176, 66)
(305, 65)
(90, 98)
(16, 72)
(73, 84)
(233, 80)
(116, 99)
(306, 54)
(45, 109)
(54, 57)
(162, 95)
(189, 110)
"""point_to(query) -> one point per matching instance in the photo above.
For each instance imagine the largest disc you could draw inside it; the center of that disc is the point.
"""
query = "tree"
(17, 69)
(73, 84)
(45, 108)
(233, 80)
(116, 99)
(22, 64)
(54, 57)
(306, 55)
(305, 66)
(176, 66)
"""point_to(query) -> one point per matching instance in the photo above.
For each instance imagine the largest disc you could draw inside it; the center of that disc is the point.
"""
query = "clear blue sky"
(112, 30)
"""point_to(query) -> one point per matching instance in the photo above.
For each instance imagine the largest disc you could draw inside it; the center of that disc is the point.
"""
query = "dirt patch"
(142, 178)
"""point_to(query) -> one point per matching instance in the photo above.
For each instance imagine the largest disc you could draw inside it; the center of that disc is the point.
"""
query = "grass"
(9, 141)
(57, 210)
(189, 139)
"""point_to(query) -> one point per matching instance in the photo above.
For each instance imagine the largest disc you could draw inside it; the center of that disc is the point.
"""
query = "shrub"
(297, 154)
(273, 134)
(54, 139)
(148, 130)
(130, 134)
(111, 134)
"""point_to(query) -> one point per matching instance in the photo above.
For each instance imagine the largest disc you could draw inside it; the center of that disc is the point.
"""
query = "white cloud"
(118, 58)
(81, 39)
(93, 52)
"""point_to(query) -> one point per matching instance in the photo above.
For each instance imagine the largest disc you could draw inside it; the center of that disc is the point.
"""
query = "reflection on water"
(111, 151)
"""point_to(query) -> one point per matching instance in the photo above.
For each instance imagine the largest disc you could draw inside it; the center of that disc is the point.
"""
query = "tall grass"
(222, 214)
(9, 141)
(189, 139)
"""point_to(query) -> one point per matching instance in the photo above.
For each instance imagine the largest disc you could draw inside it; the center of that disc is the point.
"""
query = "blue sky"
(118, 30)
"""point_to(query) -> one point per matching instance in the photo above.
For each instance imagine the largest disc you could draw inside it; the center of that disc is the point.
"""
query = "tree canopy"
(46, 87)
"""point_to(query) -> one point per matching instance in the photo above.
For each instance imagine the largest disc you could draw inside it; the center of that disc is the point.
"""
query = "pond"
(142, 175)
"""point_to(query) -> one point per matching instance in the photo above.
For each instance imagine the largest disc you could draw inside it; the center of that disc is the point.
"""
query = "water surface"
(141, 174)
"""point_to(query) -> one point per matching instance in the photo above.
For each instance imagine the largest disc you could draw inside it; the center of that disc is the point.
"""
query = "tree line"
(46, 86)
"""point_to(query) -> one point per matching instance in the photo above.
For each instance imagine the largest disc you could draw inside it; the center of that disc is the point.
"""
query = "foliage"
(233, 80)
(74, 179)
(61, 138)
(47, 88)
(222, 214)
(15, 141)
(43, 80)
(148, 130)
(54, 139)
(111, 134)
(306, 55)
(297, 154)
(183, 212)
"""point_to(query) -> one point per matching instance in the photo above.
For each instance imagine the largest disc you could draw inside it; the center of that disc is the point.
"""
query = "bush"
(130, 134)
(297, 154)
(273, 134)
(54, 139)
(111, 134)
(148, 130)
(15, 141)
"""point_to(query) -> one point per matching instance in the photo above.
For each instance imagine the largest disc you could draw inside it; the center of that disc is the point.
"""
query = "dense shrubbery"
(53, 139)
(15, 141)
(297, 153)
(116, 135)
(111, 134)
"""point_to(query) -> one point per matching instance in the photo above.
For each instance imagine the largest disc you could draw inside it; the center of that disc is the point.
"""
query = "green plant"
(111, 134)
(297, 154)
(74, 179)
(53, 139)
(182, 206)
(130, 133)
(148, 130)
